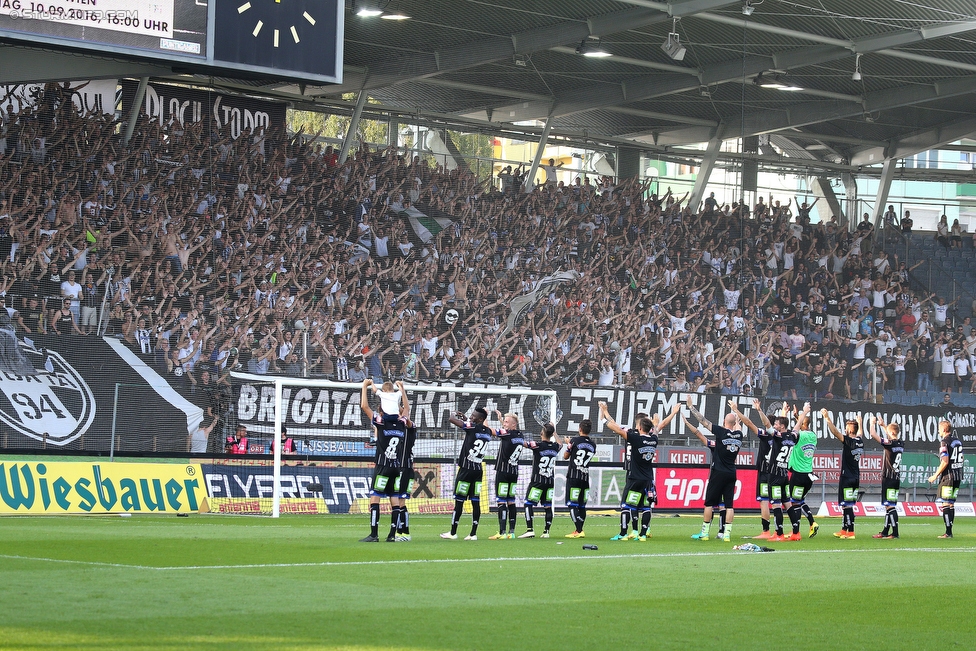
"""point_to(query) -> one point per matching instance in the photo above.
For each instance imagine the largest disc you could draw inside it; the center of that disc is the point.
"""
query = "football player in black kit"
(850, 471)
(405, 483)
(721, 477)
(391, 450)
(542, 485)
(763, 462)
(894, 447)
(949, 473)
(467, 482)
(506, 473)
(639, 492)
(580, 452)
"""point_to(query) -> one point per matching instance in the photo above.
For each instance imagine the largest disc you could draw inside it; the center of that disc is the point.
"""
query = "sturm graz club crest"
(54, 404)
(542, 411)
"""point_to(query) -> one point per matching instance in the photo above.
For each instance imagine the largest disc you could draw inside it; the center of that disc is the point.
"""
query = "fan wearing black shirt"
(580, 452)
(721, 476)
(850, 472)
(467, 482)
(639, 493)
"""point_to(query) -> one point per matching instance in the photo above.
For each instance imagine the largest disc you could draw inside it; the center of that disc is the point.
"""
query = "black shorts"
(948, 491)
(505, 484)
(637, 494)
(467, 484)
(577, 492)
(540, 494)
(385, 481)
(721, 489)
(889, 491)
(778, 487)
(800, 485)
(847, 491)
(762, 487)
(405, 487)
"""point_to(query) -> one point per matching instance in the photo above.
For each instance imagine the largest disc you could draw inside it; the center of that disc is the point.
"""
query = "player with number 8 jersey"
(467, 482)
(581, 451)
(390, 432)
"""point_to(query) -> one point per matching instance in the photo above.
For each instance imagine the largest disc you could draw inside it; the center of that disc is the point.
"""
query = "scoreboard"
(292, 39)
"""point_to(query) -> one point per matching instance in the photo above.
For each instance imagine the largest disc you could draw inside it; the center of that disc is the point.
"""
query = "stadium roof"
(502, 62)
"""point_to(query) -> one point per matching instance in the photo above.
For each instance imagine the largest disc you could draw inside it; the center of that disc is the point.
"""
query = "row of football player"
(784, 475)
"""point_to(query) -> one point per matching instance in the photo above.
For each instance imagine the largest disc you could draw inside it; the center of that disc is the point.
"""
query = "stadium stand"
(205, 254)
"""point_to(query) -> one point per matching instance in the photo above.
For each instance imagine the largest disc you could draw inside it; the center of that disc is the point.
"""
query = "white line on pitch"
(588, 557)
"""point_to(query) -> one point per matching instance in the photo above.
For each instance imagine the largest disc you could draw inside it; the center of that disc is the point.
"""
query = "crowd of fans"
(211, 254)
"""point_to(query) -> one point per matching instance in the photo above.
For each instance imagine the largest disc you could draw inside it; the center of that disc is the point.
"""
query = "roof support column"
(707, 165)
(884, 186)
(530, 178)
(130, 125)
(353, 127)
(821, 188)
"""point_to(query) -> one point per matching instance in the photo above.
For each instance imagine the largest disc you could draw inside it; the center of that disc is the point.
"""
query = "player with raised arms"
(390, 431)
(801, 477)
(894, 447)
(780, 449)
(580, 452)
(721, 476)
(763, 462)
(542, 485)
(404, 486)
(639, 492)
(949, 473)
(467, 482)
(506, 473)
(850, 471)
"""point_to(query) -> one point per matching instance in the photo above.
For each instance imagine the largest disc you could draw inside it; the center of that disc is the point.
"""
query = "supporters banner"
(60, 392)
(186, 106)
(89, 97)
(40, 488)
(335, 413)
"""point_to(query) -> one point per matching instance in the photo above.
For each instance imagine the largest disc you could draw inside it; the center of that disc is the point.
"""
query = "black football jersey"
(509, 451)
(544, 455)
(850, 458)
(951, 448)
(390, 438)
(581, 452)
(725, 448)
(893, 449)
(476, 438)
(643, 448)
(780, 449)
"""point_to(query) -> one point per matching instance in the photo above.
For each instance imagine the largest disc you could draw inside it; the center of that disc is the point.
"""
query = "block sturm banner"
(187, 106)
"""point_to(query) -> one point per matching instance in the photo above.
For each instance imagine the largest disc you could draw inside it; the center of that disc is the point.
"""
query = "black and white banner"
(89, 97)
(189, 106)
(68, 400)
(335, 412)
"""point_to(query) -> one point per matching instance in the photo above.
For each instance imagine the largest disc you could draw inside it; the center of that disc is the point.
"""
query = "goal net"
(325, 458)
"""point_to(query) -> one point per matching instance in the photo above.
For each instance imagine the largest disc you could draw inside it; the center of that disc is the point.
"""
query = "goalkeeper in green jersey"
(801, 477)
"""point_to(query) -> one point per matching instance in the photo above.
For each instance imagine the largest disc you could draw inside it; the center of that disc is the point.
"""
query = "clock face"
(288, 35)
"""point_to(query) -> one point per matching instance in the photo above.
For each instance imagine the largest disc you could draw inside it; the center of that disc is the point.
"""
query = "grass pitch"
(304, 582)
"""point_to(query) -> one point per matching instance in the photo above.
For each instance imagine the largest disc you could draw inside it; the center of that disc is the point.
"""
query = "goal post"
(280, 382)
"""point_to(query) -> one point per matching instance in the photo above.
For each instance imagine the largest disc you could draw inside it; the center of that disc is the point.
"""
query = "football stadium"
(352, 324)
